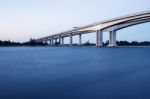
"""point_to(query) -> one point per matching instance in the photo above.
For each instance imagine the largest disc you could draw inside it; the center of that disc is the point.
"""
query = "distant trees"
(30, 43)
(122, 43)
(88, 44)
(9, 43)
(33, 43)
(133, 43)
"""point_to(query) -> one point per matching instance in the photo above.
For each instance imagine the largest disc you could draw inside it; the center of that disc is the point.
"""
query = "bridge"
(111, 26)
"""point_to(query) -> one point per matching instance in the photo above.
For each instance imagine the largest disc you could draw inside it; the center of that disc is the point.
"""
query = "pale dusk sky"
(21, 20)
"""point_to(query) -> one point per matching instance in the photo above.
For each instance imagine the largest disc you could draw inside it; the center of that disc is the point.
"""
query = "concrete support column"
(50, 41)
(55, 40)
(71, 40)
(99, 38)
(62, 40)
(112, 38)
(59, 39)
(80, 39)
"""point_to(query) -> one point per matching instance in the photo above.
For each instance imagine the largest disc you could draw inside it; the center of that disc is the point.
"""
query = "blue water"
(74, 73)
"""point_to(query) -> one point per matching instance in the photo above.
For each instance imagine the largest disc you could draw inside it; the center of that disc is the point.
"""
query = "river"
(74, 73)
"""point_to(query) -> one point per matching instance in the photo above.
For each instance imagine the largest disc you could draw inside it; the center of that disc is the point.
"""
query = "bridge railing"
(112, 19)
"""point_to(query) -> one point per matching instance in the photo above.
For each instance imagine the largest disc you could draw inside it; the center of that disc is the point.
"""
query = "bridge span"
(111, 26)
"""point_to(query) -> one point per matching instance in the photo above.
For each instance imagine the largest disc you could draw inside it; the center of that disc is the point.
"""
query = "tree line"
(33, 43)
(12, 43)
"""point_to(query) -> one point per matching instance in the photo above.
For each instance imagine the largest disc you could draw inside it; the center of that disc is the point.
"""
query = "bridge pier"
(99, 38)
(55, 41)
(71, 40)
(80, 39)
(112, 39)
(59, 40)
(50, 41)
(62, 40)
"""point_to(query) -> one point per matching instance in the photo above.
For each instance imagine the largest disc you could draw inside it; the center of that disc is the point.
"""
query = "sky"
(21, 20)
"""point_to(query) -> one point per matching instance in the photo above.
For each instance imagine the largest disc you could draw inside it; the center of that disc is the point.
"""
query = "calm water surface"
(75, 73)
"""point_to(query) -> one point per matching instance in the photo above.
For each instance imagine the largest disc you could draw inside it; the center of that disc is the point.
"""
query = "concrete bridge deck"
(112, 26)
